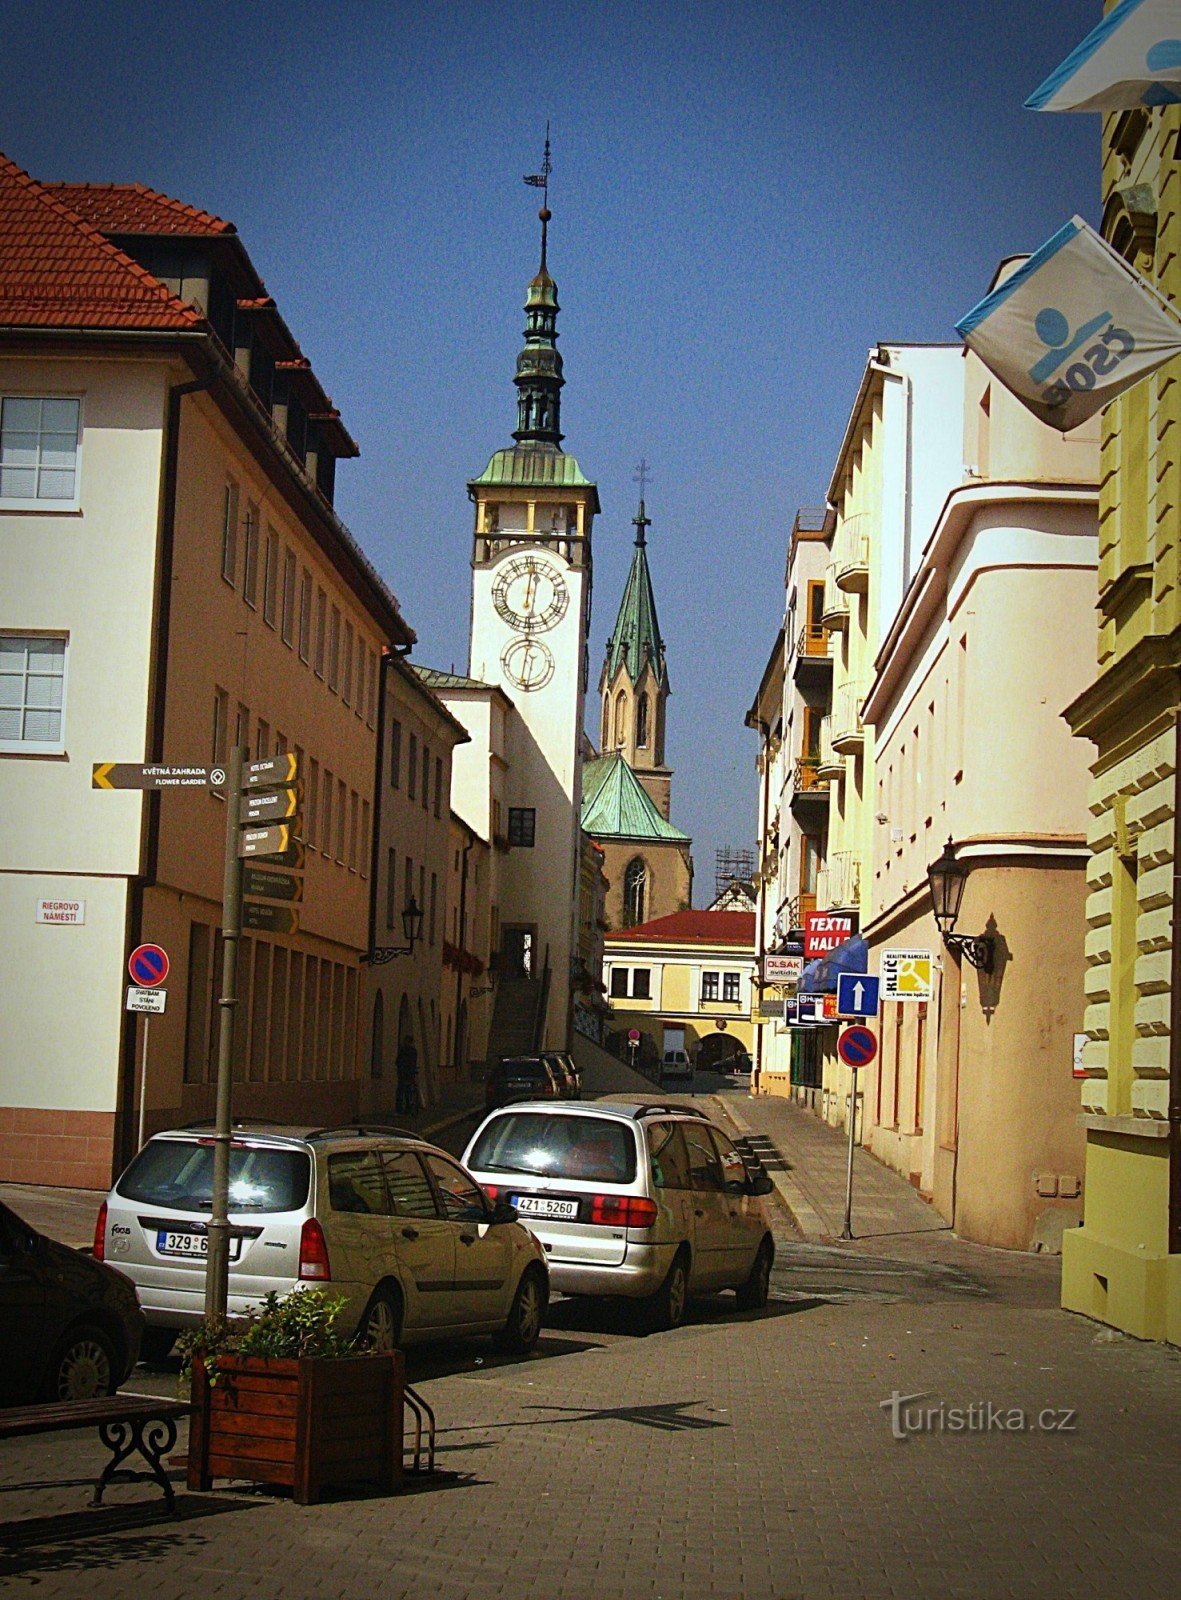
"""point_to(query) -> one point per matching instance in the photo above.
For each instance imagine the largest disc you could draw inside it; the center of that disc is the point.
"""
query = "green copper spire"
(539, 377)
(637, 631)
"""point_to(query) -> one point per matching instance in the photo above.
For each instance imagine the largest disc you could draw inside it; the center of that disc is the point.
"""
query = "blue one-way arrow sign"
(857, 995)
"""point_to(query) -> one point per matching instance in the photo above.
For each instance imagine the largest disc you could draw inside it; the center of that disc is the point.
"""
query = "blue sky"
(746, 196)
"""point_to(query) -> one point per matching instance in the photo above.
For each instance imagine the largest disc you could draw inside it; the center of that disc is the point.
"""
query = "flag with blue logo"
(1072, 328)
(1133, 58)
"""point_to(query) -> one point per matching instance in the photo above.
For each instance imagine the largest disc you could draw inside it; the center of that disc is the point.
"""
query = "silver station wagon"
(393, 1224)
(649, 1202)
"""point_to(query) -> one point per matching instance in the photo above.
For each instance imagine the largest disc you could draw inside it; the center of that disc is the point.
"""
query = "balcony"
(836, 604)
(812, 657)
(839, 885)
(809, 792)
(850, 549)
(828, 763)
(847, 731)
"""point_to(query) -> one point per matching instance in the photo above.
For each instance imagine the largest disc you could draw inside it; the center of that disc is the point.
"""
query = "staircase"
(518, 1017)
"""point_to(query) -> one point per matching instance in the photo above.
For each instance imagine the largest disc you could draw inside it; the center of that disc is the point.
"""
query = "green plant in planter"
(299, 1325)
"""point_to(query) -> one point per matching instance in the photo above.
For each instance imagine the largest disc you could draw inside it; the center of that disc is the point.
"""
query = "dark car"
(70, 1328)
(522, 1078)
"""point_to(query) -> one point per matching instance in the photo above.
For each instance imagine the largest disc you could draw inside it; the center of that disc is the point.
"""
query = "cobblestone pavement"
(742, 1455)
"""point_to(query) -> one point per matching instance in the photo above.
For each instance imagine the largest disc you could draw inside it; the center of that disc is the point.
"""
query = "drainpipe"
(125, 1141)
(462, 946)
(760, 928)
(378, 796)
(1175, 1015)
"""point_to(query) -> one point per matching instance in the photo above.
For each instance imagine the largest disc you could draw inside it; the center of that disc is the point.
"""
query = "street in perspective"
(471, 1124)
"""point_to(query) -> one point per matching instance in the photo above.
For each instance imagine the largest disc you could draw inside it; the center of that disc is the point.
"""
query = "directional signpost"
(262, 823)
(856, 1047)
(857, 995)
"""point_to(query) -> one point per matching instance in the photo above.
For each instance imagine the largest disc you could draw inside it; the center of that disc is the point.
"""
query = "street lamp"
(947, 878)
(411, 928)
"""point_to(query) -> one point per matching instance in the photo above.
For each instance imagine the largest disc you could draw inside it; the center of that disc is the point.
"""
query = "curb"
(803, 1215)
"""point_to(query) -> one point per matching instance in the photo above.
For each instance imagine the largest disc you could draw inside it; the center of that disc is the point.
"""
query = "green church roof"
(637, 631)
(525, 466)
(615, 804)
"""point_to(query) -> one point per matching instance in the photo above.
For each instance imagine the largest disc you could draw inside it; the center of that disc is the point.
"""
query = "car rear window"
(598, 1149)
(179, 1172)
(531, 1071)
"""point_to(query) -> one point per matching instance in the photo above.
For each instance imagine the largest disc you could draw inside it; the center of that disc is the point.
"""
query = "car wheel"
(752, 1295)
(526, 1315)
(666, 1309)
(156, 1344)
(380, 1329)
(84, 1366)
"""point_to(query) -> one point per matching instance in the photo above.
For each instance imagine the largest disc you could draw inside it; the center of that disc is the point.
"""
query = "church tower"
(634, 684)
(531, 594)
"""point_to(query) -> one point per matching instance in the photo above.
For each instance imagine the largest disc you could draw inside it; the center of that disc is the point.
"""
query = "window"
(263, 741)
(334, 652)
(408, 881)
(522, 826)
(250, 570)
(670, 1158)
(426, 777)
(364, 838)
(242, 726)
(305, 616)
(321, 619)
(359, 697)
(346, 693)
(635, 892)
(229, 533)
(341, 793)
(354, 828)
(463, 1200)
(371, 696)
(288, 629)
(642, 720)
(438, 786)
(620, 718)
(705, 1169)
(355, 1183)
(39, 450)
(221, 728)
(410, 1191)
(395, 754)
(619, 983)
(313, 837)
(709, 986)
(326, 815)
(391, 887)
(730, 982)
(32, 692)
(270, 578)
(434, 905)
(412, 769)
(641, 983)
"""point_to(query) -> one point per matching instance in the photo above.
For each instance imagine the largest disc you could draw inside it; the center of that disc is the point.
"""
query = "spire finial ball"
(545, 213)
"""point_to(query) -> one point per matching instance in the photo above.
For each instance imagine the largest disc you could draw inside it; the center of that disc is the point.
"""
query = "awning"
(820, 977)
(1132, 58)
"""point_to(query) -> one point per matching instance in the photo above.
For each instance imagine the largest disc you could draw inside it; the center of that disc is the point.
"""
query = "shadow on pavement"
(81, 1541)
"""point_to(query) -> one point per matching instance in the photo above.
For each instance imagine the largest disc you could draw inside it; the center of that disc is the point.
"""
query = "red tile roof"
(694, 927)
(57, 270)
(134, 208)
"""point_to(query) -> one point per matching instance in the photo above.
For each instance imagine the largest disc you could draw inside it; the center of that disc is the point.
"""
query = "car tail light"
(313, 1252)
(100, 1233)
(492, 1190)
(623, 1210)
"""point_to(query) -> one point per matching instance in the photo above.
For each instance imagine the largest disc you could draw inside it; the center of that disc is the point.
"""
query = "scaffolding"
(730, 864)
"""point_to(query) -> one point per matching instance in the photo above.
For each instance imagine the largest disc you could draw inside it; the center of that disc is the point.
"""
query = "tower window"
(522, 826)
(621, 718)
(635, 893)
(642, 721)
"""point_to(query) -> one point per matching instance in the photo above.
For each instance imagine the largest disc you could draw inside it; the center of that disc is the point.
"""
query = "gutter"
(1174, 1113)
(760, 916)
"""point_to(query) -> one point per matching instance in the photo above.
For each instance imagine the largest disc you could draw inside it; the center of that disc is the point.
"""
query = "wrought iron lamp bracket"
(978, 952)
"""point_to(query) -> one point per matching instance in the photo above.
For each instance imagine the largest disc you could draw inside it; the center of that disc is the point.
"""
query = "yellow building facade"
(1123, 1266)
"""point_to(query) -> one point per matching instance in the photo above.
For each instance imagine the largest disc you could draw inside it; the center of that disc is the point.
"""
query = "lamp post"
(947, 879)
(412, 931)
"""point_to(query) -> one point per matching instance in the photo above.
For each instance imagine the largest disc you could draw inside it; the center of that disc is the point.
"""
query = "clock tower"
(531, 596)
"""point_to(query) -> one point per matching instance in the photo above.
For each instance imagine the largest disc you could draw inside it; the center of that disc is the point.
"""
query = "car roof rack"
(657, 1108)
(363, 1131)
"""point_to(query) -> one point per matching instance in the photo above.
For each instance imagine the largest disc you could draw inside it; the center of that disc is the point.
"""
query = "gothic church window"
(635, 893)
(621, 718)
(642, 721)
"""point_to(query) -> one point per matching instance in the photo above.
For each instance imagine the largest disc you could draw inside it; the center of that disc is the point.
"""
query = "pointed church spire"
(539, 377)
(637, 631)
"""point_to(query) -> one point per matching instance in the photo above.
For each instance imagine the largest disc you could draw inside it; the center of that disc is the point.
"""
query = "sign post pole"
(143, 1080)
(217, 1272)
(847, 1230)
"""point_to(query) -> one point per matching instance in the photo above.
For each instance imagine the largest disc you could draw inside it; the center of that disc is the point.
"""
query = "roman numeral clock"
(532, 597)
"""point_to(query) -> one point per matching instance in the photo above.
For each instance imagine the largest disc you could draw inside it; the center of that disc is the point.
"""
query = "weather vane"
(642, 476)
(540, 180)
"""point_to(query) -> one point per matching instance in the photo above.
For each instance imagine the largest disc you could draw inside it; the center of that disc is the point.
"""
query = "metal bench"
(127, 1424)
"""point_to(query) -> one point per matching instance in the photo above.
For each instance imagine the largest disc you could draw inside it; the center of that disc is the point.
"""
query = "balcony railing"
(828, 763)
(806, 776)
(839, 883)
(850, 551)
(848, 733)
(813, 642)
(836, 604)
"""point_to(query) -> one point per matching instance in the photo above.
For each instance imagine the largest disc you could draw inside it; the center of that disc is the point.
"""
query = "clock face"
(530, 595)
(528, 664)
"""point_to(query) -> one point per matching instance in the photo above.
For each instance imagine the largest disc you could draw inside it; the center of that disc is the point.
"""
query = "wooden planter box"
(307, 1425)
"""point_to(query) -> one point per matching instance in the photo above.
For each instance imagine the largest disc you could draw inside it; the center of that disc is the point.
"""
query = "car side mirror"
(759, 1183)
(503, 1212)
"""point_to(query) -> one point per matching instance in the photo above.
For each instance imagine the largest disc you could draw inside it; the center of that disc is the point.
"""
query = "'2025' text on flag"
(1072, 328)
(1133, 58)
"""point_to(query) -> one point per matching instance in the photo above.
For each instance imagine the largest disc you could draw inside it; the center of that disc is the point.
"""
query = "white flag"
(1133, 58)
(1072, 328)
